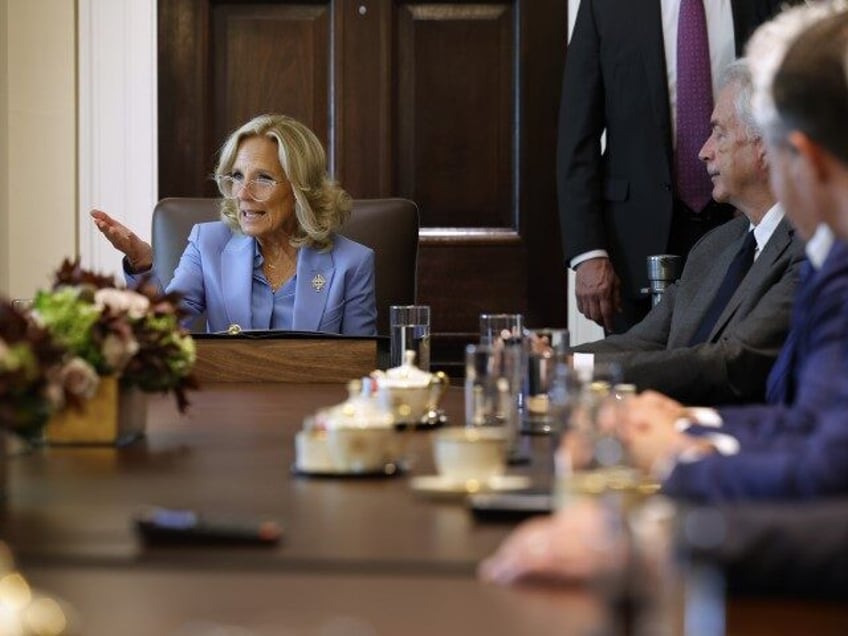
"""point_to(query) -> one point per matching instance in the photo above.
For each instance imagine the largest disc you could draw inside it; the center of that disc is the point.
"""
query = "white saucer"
(442, 486)
(391, 469)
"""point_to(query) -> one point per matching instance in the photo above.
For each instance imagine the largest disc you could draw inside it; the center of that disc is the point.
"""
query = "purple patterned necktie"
(694, 105)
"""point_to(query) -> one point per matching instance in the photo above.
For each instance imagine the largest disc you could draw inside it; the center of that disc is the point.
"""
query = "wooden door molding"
(455, 111)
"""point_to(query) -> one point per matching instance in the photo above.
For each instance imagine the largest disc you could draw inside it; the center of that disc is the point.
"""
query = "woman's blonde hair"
(321, 205)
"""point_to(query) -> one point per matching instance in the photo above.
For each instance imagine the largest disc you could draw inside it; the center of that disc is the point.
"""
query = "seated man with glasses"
(274, 261)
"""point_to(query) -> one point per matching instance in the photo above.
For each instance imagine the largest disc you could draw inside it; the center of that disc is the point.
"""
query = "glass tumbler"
(410, 330)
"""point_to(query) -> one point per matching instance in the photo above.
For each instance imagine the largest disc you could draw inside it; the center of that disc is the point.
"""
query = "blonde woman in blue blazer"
(274, 260)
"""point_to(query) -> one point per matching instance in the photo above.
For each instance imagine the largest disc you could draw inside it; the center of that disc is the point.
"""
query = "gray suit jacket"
(733, 364)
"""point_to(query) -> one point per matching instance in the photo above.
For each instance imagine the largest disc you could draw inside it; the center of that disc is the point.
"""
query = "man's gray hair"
(738, 73)
(767, 48)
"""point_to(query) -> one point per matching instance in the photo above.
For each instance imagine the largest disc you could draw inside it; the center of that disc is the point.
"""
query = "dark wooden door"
(450, 104)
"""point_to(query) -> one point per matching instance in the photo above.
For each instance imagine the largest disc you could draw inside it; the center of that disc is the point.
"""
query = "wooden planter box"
(115, 416)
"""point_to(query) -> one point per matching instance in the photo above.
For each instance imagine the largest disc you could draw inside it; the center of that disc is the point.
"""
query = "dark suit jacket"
(732, 365)
(783, 548)
(798, 448)
(615, 78)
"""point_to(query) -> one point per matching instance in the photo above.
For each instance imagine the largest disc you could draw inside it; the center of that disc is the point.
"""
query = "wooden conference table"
(359, 556)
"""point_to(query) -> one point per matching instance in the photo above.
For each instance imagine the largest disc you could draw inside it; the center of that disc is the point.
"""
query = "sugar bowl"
(413, 394)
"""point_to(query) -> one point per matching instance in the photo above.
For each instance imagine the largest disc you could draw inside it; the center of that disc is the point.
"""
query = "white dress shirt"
(766, 227)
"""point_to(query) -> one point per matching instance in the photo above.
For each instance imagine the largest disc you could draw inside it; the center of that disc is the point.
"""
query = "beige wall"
(4, 145)
(38, 133)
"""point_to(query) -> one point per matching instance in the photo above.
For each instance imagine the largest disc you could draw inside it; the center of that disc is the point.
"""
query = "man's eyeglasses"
(259, 189)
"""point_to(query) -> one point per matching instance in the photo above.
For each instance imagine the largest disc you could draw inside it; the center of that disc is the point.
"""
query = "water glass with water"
(410, 330)
(493, 378)
(494, 327)
(547, 348)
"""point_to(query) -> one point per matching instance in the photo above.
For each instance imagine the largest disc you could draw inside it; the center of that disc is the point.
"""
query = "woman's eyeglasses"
(259, 189)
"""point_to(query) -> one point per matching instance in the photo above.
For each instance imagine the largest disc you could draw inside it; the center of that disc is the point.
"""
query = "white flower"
(118, 351)
(53, 391)
(119, 300)
(55, 395)
(79, 378)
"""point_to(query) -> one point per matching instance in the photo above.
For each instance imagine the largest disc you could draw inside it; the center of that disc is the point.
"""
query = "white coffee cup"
(463, 454)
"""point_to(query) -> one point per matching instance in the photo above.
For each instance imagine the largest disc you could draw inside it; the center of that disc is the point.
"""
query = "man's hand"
(655, 405)
(574, 544)
(598, 291)
(648, 432)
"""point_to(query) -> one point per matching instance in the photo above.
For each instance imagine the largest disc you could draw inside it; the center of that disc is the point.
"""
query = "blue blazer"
(797, 445)
(215, 277)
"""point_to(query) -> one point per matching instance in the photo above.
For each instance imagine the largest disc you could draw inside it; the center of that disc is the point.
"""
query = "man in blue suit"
(797, 444)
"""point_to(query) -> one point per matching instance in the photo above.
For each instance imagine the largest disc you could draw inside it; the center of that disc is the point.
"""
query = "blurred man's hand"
(575, 544)
(648, 432)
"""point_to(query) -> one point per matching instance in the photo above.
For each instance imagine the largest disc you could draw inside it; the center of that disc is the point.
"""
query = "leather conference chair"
(387, 226)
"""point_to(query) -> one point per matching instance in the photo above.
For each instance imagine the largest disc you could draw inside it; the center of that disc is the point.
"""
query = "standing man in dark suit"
(621, 76)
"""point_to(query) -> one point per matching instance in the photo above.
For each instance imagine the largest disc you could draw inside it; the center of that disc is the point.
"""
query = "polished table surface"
(164, 602)
(366, 554)
(233, 456)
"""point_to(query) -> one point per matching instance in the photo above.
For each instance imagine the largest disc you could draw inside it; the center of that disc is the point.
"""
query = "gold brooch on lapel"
(318, 282)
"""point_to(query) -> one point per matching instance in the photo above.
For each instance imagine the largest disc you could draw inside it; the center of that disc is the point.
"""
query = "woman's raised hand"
(138, 253)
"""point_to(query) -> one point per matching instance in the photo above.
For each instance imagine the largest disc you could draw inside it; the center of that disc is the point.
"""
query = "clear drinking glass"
(500, 327)
(547, 347)
(492, 384)
(493, 381)
(609, 373)
(508, 329)
(410, 330)
(555, 339)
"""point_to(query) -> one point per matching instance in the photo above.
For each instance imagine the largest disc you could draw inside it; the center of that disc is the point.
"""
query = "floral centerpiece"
(37, 376)
(132, 334)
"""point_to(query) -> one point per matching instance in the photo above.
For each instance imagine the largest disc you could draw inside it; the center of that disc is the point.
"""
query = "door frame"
(117, 148)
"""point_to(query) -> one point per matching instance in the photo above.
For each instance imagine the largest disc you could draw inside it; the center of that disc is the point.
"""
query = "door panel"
(269, 58)
(451, 104)
(362, 110)
(454, 108)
